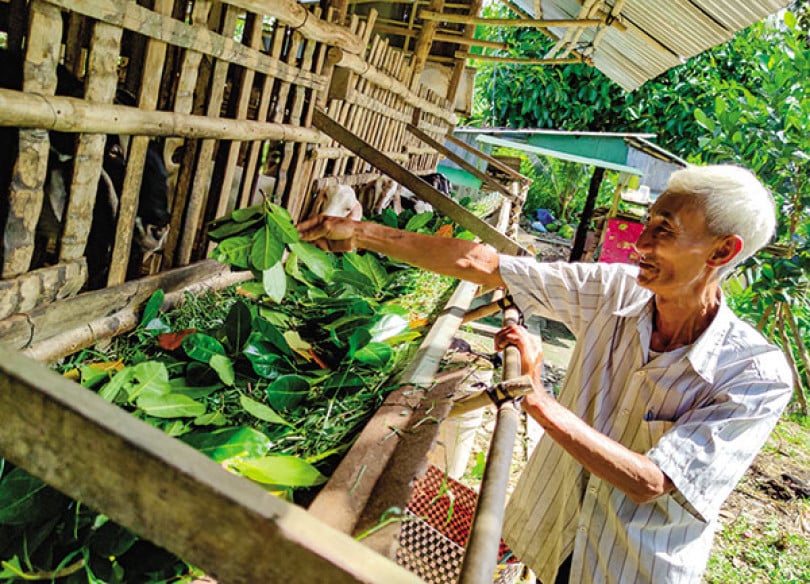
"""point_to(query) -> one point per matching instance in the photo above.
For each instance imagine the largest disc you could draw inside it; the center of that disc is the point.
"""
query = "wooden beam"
(20, 330)
(443, 37)
(68, 114)
(511, 22)
(483, 177)
(519, 60)
(165, 491)
(37, 287)
(489, 159)
(424, 41)
(420, 188)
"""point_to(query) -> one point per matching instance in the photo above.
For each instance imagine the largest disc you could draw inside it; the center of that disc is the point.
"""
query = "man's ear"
(726, 250)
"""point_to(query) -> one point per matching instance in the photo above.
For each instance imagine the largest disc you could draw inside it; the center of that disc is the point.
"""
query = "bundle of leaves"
(275, 389)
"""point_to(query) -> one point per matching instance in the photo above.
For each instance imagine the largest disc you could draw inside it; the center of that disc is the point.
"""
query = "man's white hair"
(734, 203)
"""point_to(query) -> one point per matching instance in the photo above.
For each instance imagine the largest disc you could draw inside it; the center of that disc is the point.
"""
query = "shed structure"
(243, 100)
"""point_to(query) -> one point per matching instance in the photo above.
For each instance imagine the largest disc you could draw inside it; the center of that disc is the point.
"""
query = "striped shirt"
(701, 413)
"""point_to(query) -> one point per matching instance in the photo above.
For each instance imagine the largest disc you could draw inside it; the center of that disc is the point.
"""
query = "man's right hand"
(330, 233)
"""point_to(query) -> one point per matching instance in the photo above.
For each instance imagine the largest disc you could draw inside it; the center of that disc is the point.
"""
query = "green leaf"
(151, 378)
(274, 280)
(266, 250)
(389, 218)
(202, 347)
(25, 499)
(170, 405)
(289, 471)
(356, 280)
(287, 391)
(211, 419)
(359, 338)
(281, 223)
(112, 390)
(221, 445)
(224, 368)
(274, 317)
(152, 308)
(264, 358)
(374, 354)
(261, 411)
(318, 261)
(234, 251)
(418, 221)
(703, 120)
(193, 391)
(237, 325)
(232, 228)
(268, 332)
(248, 213)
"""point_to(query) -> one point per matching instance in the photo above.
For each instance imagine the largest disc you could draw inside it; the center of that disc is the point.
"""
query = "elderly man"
(668, 396)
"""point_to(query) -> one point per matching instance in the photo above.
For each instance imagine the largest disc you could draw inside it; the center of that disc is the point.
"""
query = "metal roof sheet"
(652, 36)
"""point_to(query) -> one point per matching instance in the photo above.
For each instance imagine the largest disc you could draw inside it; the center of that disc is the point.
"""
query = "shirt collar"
(704, 352)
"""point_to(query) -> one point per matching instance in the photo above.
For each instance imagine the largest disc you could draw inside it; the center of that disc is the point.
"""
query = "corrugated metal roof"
(651, 36)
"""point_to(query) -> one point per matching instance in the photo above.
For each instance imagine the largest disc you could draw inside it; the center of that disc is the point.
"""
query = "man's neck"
(681, 320)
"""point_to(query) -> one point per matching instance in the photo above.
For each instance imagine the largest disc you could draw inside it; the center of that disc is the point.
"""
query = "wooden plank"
(38, 287)
(152, 73)
(424, 41)
(131, 16)
(485, 178)
(19, 331)
(165, 491)
(26, 195)
(420, 188)
(102, 77)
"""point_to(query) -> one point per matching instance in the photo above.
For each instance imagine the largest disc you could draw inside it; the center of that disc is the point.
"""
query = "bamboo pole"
(130, 193)
(518, 60)
(510, 22)
(481, 553)
(491, 160)
(442, 37)
(25, 196)
(460, 64)
(107, 327)
(67, 114)
(424, 41)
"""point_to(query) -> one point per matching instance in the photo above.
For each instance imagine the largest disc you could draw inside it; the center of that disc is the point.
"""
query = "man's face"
(675, 246)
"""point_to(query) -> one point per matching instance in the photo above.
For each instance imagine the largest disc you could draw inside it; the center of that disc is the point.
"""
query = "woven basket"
(430, 545)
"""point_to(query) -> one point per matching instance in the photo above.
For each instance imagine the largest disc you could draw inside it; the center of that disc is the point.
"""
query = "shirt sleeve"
(709, 448)
(570, 293)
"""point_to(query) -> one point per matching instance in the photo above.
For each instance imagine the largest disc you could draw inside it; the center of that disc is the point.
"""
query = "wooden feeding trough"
(238, 101)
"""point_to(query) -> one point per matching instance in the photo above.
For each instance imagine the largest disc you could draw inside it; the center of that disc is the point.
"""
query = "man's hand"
(530, 347)
(330, 233)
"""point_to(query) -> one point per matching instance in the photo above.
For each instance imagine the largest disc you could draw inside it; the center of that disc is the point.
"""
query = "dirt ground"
(774, 494)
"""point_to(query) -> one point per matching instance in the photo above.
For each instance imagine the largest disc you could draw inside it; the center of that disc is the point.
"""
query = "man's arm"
(458, 258)
(633, 473)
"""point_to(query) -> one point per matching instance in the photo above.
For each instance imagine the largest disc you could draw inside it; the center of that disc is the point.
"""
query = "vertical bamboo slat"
(183, 103)
(154, 60)
(102, 77)
(28, 175)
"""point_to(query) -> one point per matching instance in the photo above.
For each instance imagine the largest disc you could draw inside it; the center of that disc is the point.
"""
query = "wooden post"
(420, 188)
(460, 64)
(587, 212)
(28, 176)
(423, 43)
(165, 491)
